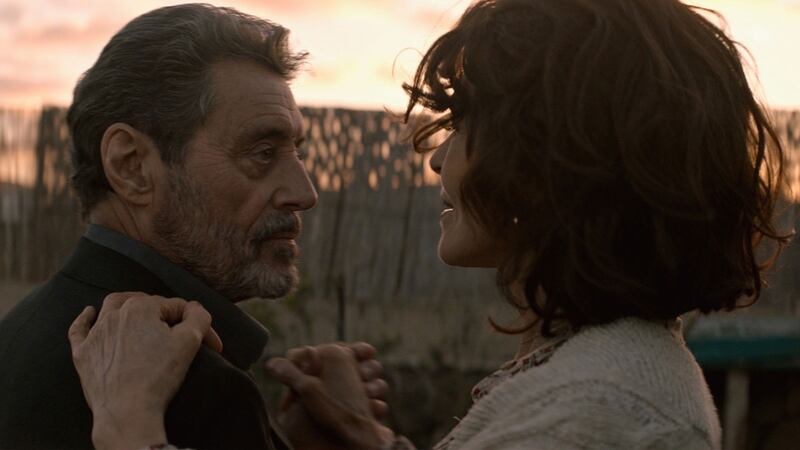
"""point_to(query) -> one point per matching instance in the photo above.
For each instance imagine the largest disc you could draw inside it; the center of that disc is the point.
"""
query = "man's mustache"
(279, 224)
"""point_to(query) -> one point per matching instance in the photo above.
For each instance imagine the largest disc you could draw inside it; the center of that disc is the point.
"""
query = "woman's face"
(463, 242)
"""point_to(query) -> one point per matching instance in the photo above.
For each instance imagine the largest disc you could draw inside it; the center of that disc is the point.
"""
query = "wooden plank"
(737, 402)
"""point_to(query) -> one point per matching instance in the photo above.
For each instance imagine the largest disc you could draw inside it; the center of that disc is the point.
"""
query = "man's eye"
(302, 153)
(264, 154)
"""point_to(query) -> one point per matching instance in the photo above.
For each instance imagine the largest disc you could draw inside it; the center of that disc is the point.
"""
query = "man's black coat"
(41, 401)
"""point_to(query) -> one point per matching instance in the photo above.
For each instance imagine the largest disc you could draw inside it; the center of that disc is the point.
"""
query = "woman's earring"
(515, 220)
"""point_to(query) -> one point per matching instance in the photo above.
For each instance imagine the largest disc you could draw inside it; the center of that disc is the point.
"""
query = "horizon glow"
(361, 50)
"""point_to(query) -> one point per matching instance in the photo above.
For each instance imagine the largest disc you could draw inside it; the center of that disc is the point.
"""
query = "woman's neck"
(531, 338)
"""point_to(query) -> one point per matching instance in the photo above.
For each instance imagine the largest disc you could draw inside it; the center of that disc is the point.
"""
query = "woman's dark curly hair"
(624, 139)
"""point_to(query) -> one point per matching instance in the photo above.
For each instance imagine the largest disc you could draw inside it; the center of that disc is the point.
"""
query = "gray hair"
(154, 75)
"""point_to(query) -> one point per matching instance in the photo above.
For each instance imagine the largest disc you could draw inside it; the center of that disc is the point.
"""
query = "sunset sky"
(362, 50)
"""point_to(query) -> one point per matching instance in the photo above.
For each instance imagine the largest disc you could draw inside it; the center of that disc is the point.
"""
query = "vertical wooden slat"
(737, 403)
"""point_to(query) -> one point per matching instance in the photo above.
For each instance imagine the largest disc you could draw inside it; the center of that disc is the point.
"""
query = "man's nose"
(296, 192)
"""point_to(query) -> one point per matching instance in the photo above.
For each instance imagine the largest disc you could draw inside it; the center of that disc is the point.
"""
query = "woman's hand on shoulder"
(132, 360)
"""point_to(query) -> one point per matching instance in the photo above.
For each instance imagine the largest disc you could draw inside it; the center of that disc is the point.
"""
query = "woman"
(610, 160)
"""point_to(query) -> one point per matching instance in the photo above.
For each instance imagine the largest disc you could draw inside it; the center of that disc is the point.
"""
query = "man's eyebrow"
(258, 132)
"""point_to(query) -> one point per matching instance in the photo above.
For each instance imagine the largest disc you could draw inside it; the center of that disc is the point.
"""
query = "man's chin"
(277, 283)
(260, 280)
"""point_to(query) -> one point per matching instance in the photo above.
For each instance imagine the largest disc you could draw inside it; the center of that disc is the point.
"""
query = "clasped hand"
(134, 357)
(338, 387)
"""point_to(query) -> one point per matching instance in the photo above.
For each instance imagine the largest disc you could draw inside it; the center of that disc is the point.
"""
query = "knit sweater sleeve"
(581, 415)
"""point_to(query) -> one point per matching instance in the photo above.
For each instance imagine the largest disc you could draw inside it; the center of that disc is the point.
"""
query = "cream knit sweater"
(631, 384)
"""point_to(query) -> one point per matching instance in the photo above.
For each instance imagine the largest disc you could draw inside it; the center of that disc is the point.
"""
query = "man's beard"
(215, 250)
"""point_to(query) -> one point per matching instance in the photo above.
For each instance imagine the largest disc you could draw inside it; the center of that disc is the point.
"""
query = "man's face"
(230, 212)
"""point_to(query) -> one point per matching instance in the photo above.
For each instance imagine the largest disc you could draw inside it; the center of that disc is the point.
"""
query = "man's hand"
(337, 391)
(307, 359)
(132, 361)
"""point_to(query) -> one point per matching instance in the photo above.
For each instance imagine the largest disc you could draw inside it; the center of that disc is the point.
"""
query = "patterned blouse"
(537, 357)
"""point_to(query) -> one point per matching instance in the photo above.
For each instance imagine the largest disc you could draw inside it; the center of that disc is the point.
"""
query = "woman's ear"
(128, 156)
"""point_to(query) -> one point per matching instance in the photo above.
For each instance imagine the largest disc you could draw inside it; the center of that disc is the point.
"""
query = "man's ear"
(129, 160)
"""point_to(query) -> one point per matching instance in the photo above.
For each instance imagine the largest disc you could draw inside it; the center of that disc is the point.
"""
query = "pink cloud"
(22, 85)
(10, 13)
(94, 32)
(285, 6)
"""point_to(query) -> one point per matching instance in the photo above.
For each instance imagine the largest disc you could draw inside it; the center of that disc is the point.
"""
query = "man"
(185, 150)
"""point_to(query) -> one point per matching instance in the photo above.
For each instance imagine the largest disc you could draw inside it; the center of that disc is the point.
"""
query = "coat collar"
(115, 262)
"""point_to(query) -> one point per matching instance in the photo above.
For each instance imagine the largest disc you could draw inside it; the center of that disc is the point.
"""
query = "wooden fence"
(375, 228)
(369, 261)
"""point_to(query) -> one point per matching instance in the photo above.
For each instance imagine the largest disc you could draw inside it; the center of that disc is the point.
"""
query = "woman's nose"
(438, 156)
